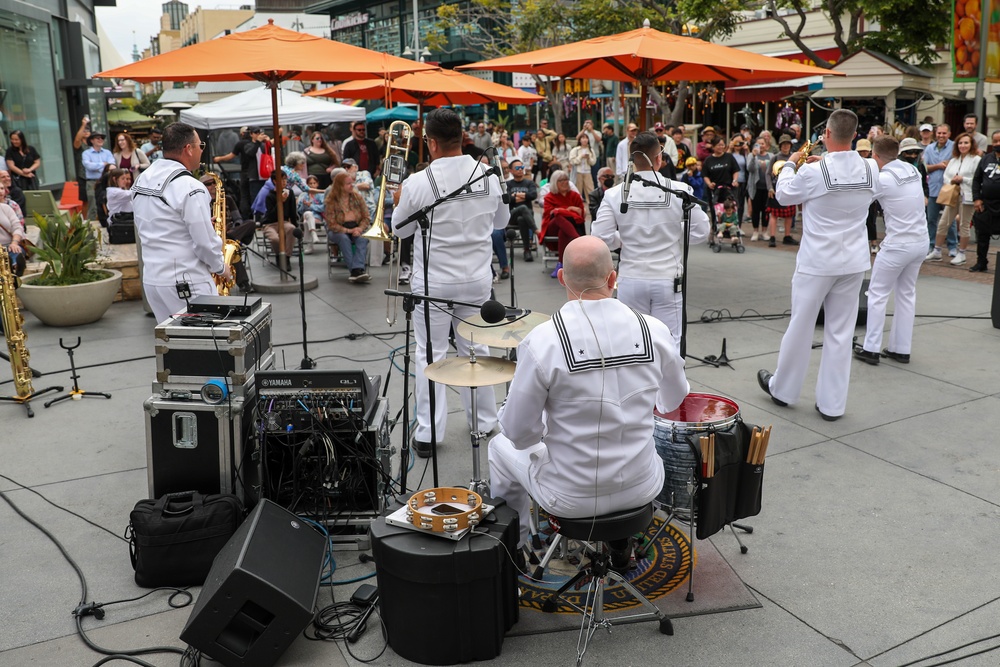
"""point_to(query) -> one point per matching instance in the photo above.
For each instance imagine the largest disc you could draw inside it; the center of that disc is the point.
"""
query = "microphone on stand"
(493, 311)
(497, 170)
(628, 185)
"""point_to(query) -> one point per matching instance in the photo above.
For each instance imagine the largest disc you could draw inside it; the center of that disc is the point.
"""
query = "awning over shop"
(773, 91)
(873, 74)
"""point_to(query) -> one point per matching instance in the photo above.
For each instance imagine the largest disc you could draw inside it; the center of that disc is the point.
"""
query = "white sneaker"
(404, 274)
(953, 252)
(755, 236)
(959, 259)
(765, 237)
(933, 255)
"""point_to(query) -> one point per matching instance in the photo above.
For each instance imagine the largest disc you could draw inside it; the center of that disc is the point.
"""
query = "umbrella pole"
(420, 142)
(278, 161)
(642, 105)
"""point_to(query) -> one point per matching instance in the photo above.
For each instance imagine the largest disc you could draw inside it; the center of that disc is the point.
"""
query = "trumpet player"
(174, 222)
(835, 192)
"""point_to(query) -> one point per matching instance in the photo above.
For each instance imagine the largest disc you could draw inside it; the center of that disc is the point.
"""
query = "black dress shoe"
(423, 449)
(866, 356)
(764, 379)
(895, 356)
(978, 267)
(827, 418)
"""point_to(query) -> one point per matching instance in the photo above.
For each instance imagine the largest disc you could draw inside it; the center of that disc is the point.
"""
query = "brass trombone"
(397, 148)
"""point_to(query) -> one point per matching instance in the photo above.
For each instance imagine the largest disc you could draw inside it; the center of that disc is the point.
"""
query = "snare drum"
(677, 431)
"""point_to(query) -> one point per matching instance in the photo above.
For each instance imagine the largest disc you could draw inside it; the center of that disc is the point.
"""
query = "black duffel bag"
(174, 539)
(121, 228)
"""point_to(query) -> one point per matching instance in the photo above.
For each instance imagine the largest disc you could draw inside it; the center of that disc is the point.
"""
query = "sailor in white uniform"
(650, 234)
(459, 251)
(898, 261)
(577, 425)
(835, 192)
(174, 223)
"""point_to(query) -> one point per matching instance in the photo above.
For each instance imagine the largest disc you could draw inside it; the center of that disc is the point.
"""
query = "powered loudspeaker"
(260, 592)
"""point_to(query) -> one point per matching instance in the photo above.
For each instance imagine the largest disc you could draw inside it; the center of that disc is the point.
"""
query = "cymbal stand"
(76, 393)
(477, 484)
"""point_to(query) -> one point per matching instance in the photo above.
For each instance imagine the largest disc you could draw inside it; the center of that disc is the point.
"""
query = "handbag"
(174, 539)
(950, 195)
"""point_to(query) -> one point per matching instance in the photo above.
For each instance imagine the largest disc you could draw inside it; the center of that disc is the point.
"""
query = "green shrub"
(65, 248)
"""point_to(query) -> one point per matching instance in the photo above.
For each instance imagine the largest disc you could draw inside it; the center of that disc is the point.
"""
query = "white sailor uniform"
(898, 262)
(650, 235)
(833, 256)
(460, 251)
(174, 222)
(577, 425)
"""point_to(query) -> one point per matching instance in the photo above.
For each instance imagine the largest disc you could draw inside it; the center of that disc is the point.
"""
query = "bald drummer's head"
(587, 271)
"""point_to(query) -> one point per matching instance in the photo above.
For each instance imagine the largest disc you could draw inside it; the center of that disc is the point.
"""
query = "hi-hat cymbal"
(460, 372)
(508, 334)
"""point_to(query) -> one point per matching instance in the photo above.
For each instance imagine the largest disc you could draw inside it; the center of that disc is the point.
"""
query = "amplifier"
(229, 306)
(190, 351)
(294, 398)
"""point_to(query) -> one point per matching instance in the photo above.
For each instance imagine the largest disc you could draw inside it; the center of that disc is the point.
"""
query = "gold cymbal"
(460, 372)
(509, 334)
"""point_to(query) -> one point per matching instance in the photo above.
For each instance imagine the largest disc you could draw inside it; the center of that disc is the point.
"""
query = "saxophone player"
(174, 222)
(237, 229)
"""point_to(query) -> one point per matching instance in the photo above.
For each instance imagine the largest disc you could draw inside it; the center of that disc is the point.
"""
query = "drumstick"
(752, 451)
(703, 441)
(711, 455)
(767, 439)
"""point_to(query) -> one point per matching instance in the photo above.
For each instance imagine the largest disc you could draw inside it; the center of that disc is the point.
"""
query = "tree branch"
(796, 35)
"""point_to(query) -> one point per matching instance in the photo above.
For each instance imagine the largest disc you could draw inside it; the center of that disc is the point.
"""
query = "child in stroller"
(729, 226)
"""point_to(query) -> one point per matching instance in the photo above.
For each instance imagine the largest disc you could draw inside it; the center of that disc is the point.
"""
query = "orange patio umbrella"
(438, 87)
(269, 54)
(647, 55)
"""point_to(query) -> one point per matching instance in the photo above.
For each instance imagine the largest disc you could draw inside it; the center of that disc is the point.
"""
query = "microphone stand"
(511, 235)
(307, 362)
(422, 217)
(689, 202)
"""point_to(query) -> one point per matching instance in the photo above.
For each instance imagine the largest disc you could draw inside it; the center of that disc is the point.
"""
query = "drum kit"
(475, 372)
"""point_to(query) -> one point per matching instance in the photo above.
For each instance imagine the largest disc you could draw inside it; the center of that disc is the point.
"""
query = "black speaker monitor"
(261, 590)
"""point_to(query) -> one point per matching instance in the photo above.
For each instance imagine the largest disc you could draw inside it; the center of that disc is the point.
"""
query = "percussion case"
(174, 539)
(734, 491)
(446, 602)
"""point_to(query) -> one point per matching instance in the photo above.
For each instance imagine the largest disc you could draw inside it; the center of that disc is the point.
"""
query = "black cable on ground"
(64, 509)
(952, 650)
(337, 621)
(97, 609)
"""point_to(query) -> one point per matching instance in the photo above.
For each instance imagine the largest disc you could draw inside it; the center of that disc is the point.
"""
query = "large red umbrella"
(646, 55)
(269, 54)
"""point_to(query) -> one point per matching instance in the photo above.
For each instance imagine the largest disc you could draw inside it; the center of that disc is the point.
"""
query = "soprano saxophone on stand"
(230, 248)
(397, 149)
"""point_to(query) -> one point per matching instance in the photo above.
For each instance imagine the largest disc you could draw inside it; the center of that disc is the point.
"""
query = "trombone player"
(834, 192)
(457, 262)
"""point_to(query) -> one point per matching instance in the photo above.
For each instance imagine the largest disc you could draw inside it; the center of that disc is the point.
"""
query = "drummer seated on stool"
(587, 381)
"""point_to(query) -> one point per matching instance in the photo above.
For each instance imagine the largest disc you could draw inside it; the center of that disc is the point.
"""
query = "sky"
(135, 21)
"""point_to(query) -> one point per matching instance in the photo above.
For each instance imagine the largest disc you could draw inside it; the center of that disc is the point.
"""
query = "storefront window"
(31, 103)
(383, 35)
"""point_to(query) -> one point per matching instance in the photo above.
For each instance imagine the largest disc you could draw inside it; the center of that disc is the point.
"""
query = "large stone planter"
(71, 305)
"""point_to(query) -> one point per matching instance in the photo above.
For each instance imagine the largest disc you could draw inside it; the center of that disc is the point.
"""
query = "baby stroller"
(723, 231)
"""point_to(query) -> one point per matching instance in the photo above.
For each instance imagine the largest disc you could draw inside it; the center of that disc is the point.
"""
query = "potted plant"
(70, 290)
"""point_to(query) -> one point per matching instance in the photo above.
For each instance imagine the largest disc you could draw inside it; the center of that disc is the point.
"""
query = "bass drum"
(677, 434)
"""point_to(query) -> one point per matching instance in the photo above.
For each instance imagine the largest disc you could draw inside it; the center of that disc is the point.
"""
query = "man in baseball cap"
(926, 134)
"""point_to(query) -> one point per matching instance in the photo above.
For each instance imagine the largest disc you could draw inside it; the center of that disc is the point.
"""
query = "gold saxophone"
(12, 323)
(805, 150)
(230, 248)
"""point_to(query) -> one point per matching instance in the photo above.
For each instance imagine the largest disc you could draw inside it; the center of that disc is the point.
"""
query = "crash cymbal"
(508, 334)
(461, 372)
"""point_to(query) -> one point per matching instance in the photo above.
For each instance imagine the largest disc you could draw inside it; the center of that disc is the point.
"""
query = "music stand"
(75, 393)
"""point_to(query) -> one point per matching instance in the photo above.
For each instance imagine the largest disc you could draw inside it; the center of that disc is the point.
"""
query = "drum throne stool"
(596, 533)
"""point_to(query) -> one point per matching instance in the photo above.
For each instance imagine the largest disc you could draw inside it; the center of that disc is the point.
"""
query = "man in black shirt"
(721, 172)
(523, 192)
(363, 150)
(605, 180)
(245, 149)
(986, 199)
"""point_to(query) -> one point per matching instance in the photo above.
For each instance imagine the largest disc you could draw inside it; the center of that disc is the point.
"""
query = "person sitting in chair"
(347, 220)
(576, 430)
(270, 220)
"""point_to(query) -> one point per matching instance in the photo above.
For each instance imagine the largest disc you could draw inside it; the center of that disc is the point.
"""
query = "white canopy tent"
(253, 107)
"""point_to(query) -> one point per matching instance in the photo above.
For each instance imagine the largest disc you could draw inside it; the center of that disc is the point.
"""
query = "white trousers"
(838, 295)
(441, 321)
(518, 475)
(165, 303)
(896, 268)
(656, 298)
